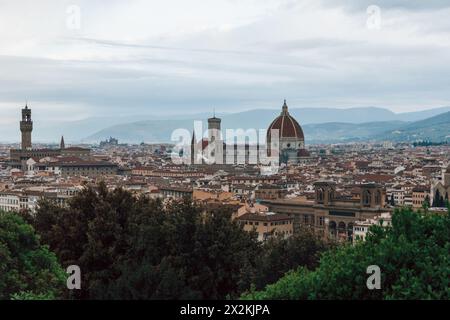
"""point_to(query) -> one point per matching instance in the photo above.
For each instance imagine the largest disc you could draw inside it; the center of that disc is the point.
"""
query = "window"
(321, 221)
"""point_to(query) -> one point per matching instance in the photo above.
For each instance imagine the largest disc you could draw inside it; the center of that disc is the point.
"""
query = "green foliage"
(184, 254)
(426, 203)
(282, 255)
(29, 295)
(130, 248)
(413, 256)
(138, 248)
(28, 270)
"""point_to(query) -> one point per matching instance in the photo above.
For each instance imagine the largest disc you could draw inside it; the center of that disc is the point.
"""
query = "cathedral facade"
(289, 143)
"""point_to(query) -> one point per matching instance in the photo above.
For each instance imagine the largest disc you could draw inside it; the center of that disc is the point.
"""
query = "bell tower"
(214, 128)
(372, 195)
(26, 127)
(325, 192)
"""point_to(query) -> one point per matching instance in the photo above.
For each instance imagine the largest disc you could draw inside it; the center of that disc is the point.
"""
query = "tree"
(282, 255)
(90, 233)
(138, 248)
(426, 202)
(436, 199)
(412, 255)
(28, 270)
(439, 201)
(189, 254)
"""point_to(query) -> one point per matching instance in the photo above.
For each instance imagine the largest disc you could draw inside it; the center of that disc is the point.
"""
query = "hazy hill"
(161, 130)
(435, 129)
(334, 132)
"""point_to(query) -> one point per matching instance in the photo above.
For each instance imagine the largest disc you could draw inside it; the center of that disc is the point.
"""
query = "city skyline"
(371, 122)
(224, 154)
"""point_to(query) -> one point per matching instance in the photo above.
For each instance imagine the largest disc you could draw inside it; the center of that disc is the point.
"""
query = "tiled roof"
(288, 127)
(265, 217)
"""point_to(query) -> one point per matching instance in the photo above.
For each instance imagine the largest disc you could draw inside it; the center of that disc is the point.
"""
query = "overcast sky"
(177, 56)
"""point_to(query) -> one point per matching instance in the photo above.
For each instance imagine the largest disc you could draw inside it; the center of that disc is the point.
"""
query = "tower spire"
(62, 145)
(284, 108)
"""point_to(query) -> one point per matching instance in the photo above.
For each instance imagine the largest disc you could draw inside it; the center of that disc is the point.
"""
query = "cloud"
(140, 57)
(389, 4)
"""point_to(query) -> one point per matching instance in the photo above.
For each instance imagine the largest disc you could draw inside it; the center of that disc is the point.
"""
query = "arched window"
(332, 229)
(320, 195)
(366, 197)
(378, 197)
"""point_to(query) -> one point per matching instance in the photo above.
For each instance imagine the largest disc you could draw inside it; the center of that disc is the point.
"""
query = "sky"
(82, 58)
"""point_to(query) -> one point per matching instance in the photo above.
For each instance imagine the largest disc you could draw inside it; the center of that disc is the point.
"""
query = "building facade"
(291, 147)
(288, 144)
(330, 216)
(18, 157)
(440, 190)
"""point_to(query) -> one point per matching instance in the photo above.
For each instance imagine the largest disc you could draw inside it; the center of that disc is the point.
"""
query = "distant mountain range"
(325, 125)
(435, 129)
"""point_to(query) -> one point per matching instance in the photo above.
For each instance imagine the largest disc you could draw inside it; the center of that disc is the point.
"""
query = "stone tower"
(26, 127)
(372, 195)
(325, 192)
(214, 129)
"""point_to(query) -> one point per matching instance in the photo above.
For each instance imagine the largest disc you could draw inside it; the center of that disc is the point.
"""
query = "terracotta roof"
(288, 127)
(265, 217)
(374, 177)
(421, 189)
(76, 149)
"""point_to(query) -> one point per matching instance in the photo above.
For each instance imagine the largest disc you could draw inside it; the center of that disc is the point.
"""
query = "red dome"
(288, 127)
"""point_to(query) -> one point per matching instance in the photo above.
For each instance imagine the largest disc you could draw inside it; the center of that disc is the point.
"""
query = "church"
(18, 157)
(440, 190)
(290, 146)
(292, 140)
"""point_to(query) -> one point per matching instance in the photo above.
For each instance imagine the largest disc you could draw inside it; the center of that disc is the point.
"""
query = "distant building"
(176, 192)
(109, 142)
(419, 195)
(267, 224)
(290, 144)
(18, 157)
(16, 201)
(361, 228)
(269, 192)
(84, 168)
(440, 190)
(329, 215)
(292, 139)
